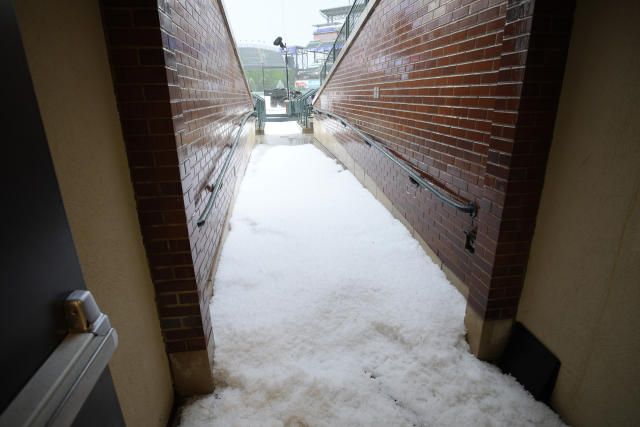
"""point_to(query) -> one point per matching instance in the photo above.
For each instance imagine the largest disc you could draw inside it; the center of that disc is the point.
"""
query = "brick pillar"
(143, 83)
(534, 48)
(181, 93)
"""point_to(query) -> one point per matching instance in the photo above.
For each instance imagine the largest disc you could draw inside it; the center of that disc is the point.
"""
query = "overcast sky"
(258, 21)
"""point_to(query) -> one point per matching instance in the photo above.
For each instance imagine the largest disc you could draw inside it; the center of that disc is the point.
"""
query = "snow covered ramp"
(327, 312)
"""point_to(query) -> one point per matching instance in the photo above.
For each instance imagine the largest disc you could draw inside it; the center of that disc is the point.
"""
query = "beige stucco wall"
(582, 288)
(67, 55)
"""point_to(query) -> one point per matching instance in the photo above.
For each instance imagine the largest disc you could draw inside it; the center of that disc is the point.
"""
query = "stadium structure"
(264, 64)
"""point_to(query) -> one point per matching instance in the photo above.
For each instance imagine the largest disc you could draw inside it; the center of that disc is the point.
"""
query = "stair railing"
(260, 108)
(301, 107)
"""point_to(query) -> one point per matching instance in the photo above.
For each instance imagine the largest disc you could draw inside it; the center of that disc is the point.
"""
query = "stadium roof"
(319, 46)
(328, 29)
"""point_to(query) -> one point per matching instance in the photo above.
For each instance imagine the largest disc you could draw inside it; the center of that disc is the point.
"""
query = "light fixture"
(278, 42)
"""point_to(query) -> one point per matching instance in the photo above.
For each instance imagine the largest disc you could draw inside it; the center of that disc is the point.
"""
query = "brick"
(170, 188)
(174, 217)
(161, 273)
(134, 127)
(170, 323)
(164, 231)
(134, 37)
(161, 126)
(124, 57)
(191, 321)
(156, 93)
(188, 298)
(181, 334)
(149, 142)
(168, 299)
(171, 260)
(152, 218)
(129, 93)
(180, 310)
(156, 173)
(151, 56)
(180, 245)
(176, 286)
(118, 18)
(183, 272)
(146, 18)
(141, 75)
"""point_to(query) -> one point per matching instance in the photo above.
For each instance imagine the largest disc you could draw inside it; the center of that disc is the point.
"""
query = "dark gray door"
(39, 263)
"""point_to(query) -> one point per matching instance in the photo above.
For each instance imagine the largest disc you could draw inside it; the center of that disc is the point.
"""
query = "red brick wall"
(468, 99)
(181, 94)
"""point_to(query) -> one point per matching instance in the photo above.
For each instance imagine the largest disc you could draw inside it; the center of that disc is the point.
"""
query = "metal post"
(263, 88)
(286, 65)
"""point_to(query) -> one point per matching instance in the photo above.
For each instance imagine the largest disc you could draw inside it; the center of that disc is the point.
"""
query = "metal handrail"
(471, 208)
(215, 189)
(301, 107)
(58, 390)
(260, 108)
(343, 36)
